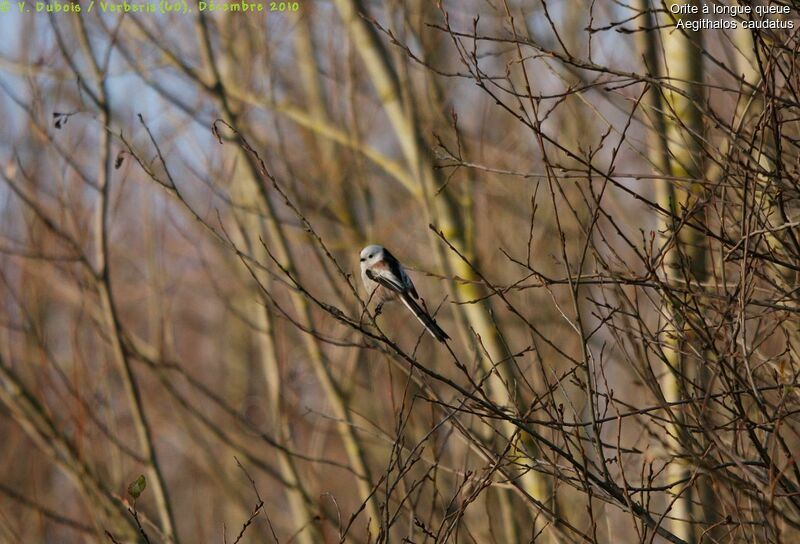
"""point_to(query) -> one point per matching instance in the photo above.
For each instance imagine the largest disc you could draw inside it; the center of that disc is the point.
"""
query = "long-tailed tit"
(385, 280)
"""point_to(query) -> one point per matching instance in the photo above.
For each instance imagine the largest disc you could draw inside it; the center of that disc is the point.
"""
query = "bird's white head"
(370, 255)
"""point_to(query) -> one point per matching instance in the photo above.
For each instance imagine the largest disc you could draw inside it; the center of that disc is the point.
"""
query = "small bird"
(385, 280)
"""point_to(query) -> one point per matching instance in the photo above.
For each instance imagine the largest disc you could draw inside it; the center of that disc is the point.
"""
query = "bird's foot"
(378, 309)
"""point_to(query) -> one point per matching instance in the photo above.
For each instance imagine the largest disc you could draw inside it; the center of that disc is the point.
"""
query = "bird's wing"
(398, 271)
(382, 276)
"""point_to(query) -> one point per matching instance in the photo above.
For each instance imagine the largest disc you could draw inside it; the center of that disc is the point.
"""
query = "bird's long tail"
(427, 321)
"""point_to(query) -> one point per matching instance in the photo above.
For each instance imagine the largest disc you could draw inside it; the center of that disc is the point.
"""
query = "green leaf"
(137, 486)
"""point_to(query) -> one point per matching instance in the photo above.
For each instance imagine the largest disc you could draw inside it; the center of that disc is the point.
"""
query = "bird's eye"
(371, 255)
(362, 260)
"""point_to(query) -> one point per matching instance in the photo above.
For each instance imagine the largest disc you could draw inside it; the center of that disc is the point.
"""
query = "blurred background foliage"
(601, 209)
